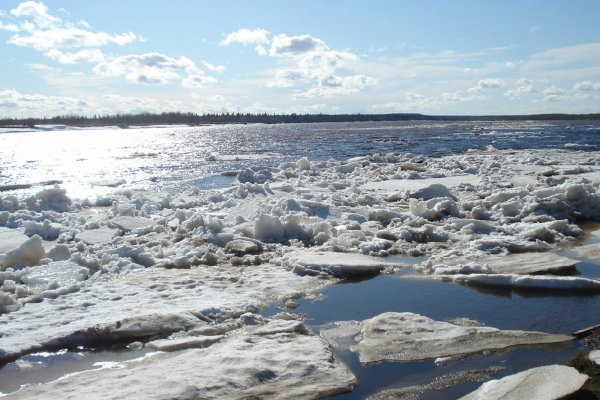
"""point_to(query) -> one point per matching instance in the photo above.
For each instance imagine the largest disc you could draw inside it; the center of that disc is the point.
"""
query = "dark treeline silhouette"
(170, 118)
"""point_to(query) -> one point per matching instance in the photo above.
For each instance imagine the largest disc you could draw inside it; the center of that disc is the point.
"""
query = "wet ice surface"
(248, 275)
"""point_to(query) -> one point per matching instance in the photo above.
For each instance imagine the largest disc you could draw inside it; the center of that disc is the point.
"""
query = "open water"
(177, 158)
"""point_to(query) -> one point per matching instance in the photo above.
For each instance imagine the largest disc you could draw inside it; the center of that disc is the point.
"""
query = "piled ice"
(139, 265)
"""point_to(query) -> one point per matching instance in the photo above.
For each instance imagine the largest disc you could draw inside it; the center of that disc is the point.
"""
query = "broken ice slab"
(10, 239)
(18, 249)
(520, 263)
(411, 337)
(242, 365)
(340, 265)
(413, 185)
(127, 223)
(563, 284)
(97, 236)
(541, 383)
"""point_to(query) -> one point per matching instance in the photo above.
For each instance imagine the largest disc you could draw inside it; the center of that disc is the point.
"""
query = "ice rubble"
(543, 383)
(406, 336)
(166, 262)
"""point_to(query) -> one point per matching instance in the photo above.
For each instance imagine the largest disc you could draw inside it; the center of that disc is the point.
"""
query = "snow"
(405, 336)
(543, 383)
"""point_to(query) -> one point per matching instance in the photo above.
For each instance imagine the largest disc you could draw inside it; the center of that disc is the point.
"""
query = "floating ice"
(541, 383)
(523, 263)
(342, 265)
(410, 337)
(266, 364)
(530, 282)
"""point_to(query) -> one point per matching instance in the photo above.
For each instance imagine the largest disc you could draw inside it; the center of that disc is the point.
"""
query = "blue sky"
(334, 56)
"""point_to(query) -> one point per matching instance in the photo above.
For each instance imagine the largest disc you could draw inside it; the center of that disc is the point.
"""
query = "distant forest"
(170, 118)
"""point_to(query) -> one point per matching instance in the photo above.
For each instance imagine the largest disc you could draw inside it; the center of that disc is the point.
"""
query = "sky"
(459, 57)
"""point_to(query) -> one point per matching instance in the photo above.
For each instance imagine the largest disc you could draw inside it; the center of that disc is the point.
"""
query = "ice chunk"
(60, 273)
(10, 239)
(128, 223)
(396, 185)
(59, 252)
(432, 191)
(595, 356)
(55, 199)
(410, 337)
(97, 236)
(342, 265)
(268, 228)
(434, 209)
(240, 247)
(19, 250)
(46, 229)
(521, 263)
(541, 383)
(531, 282)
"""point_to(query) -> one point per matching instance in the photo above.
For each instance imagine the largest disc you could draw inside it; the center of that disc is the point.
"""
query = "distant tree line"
(170, 118)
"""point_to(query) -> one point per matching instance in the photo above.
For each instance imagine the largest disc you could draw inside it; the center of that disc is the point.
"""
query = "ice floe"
(407, 336)
(541, 383)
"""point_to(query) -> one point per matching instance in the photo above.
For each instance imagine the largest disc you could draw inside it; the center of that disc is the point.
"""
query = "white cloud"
(308, 64)
(525, 87)
(154, 68)
(586, 86)
(491, 83)
(583, 53)
(15, 104)
(215, 68)
(38, 12)
(284, 45)
(247, 36)
(260, 50)
(9, 27)
(43, 40)
(85, 55)
(40, 67)
(554, 93)
(44, 32)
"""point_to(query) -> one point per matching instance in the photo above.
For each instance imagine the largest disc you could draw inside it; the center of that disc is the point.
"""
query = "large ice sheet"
(406, 336)
(268, 364)
(541, 383)
(413, 185)
(519, 263)
(145, 298)
(342, 265)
